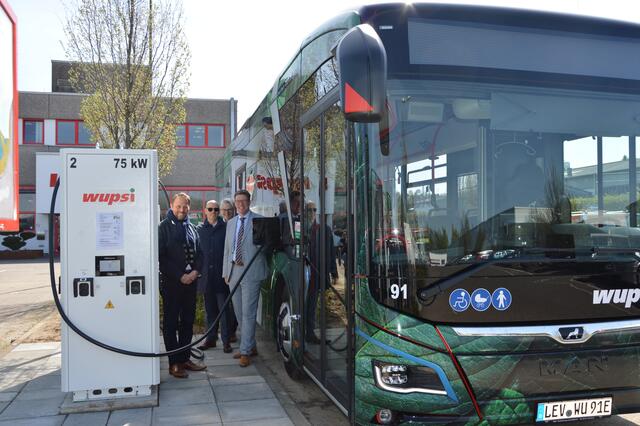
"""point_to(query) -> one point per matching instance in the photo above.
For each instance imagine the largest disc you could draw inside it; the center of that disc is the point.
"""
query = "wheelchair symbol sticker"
(501, 299)
(480, 299)
(459, 300)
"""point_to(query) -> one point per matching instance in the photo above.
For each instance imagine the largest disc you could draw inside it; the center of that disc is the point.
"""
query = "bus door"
(327, 298)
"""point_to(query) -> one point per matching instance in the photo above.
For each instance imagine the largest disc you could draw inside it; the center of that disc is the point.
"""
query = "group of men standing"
(211, 257)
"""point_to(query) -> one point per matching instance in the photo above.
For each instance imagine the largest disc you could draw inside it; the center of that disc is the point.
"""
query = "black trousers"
(179, 304)
(213, 302)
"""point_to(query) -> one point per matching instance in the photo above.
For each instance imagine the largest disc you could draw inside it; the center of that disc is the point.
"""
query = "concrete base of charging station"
(70, 407)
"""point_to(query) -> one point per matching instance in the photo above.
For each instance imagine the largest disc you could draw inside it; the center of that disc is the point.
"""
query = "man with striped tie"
(238, 252)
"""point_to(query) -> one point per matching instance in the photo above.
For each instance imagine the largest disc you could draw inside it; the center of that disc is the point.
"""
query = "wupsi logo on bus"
(110, 197)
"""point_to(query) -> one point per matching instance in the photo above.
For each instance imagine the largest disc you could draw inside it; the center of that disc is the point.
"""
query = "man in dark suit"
(212, 234)
(180, 258)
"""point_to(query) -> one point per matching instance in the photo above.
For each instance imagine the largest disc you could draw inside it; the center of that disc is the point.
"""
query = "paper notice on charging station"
(109, 231)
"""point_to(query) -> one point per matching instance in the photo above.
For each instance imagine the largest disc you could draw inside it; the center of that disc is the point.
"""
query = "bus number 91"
(396, 289)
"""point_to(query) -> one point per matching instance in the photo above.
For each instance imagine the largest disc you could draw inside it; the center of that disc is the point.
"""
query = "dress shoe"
(207, 345)
(233, 338)
(254, 352)
(227, 349)
(191, 366)
(244, 361)
(177, 370)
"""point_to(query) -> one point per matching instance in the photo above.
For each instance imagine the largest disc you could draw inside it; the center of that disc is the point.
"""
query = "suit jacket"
(258, 270)
(212, 242)
(171, 254)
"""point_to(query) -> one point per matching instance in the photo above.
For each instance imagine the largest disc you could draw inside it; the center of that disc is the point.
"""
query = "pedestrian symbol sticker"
(109, 305)
(501, 299)
(459, 300)
(480, 299)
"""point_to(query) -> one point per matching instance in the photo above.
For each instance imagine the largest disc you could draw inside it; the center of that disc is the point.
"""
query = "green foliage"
(200, 323)
(611, 202)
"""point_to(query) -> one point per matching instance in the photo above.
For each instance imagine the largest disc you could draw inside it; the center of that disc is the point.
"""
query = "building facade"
(49, 121)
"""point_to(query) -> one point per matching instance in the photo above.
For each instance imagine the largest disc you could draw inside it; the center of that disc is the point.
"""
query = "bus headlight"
(401, 378)
(393, 374)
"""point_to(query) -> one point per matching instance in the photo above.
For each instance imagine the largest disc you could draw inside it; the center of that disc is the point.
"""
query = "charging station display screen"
(109, 265)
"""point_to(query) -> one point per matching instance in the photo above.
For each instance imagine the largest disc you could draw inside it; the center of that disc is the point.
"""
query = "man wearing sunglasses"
(212, 235)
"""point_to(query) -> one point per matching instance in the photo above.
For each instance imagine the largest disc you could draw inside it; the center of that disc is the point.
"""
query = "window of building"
(72, 132)
(84, 135)
(200, 135)
(27, 214)
(216, 136)
(32, 131)
(196, 136)
(27, 222)
(181, 135)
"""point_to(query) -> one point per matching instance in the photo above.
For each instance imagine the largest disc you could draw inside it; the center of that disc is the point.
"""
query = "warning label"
(109, 305)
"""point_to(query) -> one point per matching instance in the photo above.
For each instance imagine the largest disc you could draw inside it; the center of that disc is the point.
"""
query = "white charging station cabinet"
(109, 270)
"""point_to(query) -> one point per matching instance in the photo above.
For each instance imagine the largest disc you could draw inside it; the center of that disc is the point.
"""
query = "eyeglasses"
(213, 209)
(313, 209)
(227, 210)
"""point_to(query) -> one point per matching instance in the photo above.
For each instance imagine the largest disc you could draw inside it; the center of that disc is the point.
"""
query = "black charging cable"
(103, 345)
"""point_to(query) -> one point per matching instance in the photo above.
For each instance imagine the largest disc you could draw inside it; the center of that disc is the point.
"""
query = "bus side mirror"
(362, 62)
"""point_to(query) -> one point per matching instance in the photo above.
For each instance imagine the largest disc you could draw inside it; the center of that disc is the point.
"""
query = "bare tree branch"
(132, 61)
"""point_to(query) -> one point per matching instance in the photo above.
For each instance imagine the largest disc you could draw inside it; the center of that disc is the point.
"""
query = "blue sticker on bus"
(501, 299)
(459, 300)
(480, 299)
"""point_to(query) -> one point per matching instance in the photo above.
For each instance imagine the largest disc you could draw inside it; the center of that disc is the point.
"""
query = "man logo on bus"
(501, 299)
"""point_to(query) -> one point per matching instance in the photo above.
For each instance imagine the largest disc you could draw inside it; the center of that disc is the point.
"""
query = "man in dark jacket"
(212, 233)
(180, 258)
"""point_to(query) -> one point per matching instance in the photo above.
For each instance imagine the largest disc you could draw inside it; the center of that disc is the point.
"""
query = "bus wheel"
(284, 335)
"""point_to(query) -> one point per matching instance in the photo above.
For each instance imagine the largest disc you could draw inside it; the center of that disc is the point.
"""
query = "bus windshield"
(462, 173)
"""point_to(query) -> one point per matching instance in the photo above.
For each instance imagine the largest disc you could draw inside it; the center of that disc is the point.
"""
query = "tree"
(132, 61)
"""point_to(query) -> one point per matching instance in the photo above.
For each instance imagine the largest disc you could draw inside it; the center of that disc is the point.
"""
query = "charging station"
(109, 271)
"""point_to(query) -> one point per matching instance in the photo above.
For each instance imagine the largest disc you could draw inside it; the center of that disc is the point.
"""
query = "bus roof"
(458, 12)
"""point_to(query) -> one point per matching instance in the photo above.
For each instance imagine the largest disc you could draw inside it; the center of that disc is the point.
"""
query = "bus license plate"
(577, 409)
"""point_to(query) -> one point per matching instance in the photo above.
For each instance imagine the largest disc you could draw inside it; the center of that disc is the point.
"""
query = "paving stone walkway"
(225, 394)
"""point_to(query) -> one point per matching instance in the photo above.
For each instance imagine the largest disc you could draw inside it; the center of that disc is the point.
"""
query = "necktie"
(239, 242)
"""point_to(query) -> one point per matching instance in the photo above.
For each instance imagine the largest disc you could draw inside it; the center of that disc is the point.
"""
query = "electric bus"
(462, 187)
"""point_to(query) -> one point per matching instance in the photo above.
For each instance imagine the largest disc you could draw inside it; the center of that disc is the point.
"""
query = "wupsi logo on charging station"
(110, 197)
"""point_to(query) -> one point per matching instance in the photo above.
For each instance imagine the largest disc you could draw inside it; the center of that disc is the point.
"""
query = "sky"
(238, 47)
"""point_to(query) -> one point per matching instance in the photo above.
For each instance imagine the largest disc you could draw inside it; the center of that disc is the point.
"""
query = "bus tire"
(284, 334)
